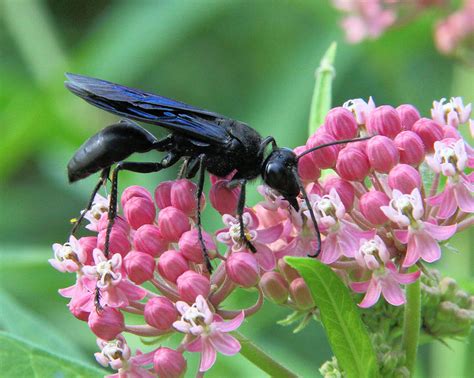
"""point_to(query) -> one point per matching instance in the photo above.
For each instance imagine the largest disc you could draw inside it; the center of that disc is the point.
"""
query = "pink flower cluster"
(370, 18)
(376, 214)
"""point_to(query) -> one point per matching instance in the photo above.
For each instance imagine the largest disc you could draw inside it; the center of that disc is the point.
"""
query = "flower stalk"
(259, 358)
(412, 323)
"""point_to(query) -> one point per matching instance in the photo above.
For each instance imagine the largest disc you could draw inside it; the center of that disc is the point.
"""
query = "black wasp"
(204, 140)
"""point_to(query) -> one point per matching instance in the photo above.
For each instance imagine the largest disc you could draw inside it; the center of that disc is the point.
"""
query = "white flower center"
(326, 207)
(66, 252)
(113, 350)
(194, 317)
(369, 248)
(98, 209)
(234, 232)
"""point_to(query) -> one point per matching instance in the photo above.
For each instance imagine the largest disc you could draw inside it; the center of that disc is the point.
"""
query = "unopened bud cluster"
(376, 215)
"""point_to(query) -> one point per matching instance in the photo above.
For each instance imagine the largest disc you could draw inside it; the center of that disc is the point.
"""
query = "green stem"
(259, 358)
(412, 323)
(322, 94)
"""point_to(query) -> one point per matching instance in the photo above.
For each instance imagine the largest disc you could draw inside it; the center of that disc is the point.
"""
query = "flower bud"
(405, 178)
(106, 324)
(411, 148)
(429, 131)
(340, 123)
(160, 313)
(78, 312)
(223, 199)
(191, 284)
(307, 169)
(173, 223)
(171, 265)
(133, 192)
(352, 164)
(88, 243)
(325, 157)
(139, 266)
(450, 132)
(344, 189)
(163, 194)
(183, 197)
(287, 271)
(274, 287)
(139, 211)
(119, 242)
(369, 206)
(301, 295)
(384, 120)
(382, 153)
(148, 239)
(242, 268)
(168, 363)
(408, 115)
(190, 247)
(119, 223)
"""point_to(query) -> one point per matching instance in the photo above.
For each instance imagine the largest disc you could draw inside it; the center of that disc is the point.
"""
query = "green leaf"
(19, 321)
(341, 319)
(19, 358)
(321, 102)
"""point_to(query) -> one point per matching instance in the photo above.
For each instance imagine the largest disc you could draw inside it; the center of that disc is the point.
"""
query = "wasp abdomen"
(110, 145)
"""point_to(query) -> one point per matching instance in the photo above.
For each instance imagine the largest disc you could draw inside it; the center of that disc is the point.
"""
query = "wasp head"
(279, 172)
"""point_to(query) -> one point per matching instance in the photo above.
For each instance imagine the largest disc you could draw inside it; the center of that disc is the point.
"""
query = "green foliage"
(341, 319)
(249, 60)
(20, 358)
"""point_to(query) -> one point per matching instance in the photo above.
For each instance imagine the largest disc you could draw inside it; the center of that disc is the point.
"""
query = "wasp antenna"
(311, 213)
(332, 144)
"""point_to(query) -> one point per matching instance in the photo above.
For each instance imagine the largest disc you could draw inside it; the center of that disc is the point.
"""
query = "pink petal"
(230, 325)
(413, 251)
(391, 290)
(208, 356)
(269, 235)
(224, 343)
(426, 246)
(195, 345)
(464, 198)
(331, 250)
(402, 236)
(439, 232)
(372, 295)
(360, 287)
(446, 202)
(132, 291)
(265, 256)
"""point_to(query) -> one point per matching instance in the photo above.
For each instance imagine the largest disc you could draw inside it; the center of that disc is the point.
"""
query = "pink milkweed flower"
(365, 19)
(210, 331)
(115, 289)
(342, 237)
(452, 113)
(421, 237)
(116, 354)
(360, 109)
(68, 257)
(100, 206)
(258, 237)
(385, 279)
(450, 159)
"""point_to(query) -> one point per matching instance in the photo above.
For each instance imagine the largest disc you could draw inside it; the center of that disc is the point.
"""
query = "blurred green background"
(250, 60)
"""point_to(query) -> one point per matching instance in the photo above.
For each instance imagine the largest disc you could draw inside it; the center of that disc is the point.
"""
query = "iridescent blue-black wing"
(132, 103)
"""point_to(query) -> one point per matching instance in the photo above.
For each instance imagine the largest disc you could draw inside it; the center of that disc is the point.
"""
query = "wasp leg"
(240, 212)
(102, 181)
(139, 167)
(311, 214)
(202, 171)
